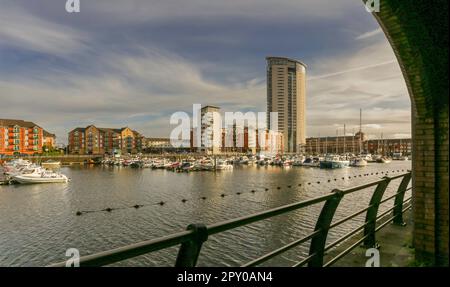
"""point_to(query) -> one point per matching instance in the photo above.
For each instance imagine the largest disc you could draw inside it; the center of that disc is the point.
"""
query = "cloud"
(20, 29)
(373, 126)
(351, 70)
(370, 79)
(135, 63)
(369, 34)
(140, 89)
(402, 136)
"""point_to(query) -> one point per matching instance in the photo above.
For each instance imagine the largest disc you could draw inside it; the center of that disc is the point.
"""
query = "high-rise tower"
(286, 93)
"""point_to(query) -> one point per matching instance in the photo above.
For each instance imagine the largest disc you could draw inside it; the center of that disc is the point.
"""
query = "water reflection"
(38, 222)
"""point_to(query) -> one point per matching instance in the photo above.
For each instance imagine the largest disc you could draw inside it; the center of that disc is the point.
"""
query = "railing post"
(371, 216)
(323, 223)
(398, 204)
(190, 250)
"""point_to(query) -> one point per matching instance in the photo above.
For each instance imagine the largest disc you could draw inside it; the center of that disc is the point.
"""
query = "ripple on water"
(39, 222)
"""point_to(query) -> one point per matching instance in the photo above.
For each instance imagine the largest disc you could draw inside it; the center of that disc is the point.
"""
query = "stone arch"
(418, 34)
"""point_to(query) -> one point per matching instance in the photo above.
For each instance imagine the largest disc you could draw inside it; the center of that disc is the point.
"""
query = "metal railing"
(192, 239)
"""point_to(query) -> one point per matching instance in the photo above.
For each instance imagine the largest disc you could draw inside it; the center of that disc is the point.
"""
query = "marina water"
(38, 223)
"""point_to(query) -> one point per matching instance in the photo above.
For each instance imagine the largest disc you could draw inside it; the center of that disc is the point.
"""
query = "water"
(38, 223)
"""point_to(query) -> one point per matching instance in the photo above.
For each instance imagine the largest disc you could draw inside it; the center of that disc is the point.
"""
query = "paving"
(395, 247)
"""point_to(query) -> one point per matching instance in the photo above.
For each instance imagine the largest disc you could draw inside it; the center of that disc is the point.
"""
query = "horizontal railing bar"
(280, 250)
(370, 184)
(304, 261)
(133, 250)
(350, 217)
(234, 223)
(362, 186)
(137, 249)
(346, 236)
(392, 196)
(388, 221)
(398, 176)
(391, 209)
(343, 253)
(389, 198)
(385, 213)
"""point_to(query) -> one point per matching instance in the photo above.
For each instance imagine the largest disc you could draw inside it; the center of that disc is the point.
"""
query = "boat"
(311, 162)
(40, 176)
(206, 165)
(222, 165)
(185, 166)
(358, 162)
(399, 156)
(384, 159)
(51, 164)
(244, 160)
(331, 162)
(137, 164)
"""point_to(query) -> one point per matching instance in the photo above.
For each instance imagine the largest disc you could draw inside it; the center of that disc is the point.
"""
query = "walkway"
(395, 247)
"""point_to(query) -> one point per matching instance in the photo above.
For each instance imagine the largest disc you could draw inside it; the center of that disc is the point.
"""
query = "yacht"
(311, 162)
(222, 165)
(384, 159)
(334, 161)
(45, 177)
(358, 162)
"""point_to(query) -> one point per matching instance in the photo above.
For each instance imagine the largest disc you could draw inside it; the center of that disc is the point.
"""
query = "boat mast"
(337, 141)
(353, 141)
(360, 131)
(318, 145)
(344, 140)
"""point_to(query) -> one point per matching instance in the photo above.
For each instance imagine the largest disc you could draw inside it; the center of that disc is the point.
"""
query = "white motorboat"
(311, 162)
(44, 177)
(384, 159)
(358, 162)
(222, 165)
(50, 164)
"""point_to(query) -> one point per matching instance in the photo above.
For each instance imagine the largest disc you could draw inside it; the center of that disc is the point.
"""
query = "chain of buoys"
(222, 195)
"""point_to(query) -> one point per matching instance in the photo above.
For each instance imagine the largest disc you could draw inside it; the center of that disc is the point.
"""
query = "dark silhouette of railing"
(192, 239)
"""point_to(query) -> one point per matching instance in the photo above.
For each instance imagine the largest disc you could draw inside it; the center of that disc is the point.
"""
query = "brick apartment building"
(93, 140)
(18, 137)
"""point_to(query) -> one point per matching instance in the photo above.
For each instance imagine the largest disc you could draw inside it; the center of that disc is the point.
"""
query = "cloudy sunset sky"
(133, 63)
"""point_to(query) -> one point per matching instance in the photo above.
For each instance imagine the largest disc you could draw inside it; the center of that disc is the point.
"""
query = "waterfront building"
(338, 144)
(389, 146)
(157, 145)
(93, 140)
(247, 141)
(19, 137)
(286, 95)
(351, 144)
(210, 141)
(49, 141)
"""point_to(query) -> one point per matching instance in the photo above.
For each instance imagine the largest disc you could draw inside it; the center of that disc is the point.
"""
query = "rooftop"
(21, 123)
(286, 58)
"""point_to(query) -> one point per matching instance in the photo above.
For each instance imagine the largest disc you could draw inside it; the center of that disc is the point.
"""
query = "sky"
(134, 63)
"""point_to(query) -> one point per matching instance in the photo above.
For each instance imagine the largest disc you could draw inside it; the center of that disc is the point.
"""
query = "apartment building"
(94, 140)
(18, 137)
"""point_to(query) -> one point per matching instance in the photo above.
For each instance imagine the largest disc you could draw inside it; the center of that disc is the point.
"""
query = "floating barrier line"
(223, 195)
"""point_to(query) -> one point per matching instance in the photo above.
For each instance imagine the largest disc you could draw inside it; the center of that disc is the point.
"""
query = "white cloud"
(369, 34)
(21, 29)
(338, 86)
(373, 126)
